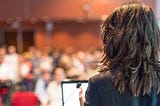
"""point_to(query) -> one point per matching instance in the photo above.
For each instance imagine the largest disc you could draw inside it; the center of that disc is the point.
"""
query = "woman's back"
(102, 92)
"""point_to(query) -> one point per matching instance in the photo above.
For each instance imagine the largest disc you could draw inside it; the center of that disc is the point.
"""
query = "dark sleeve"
(91, 95)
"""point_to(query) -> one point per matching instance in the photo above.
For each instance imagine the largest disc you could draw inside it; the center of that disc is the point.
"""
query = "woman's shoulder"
(101, 76)
(101, 79)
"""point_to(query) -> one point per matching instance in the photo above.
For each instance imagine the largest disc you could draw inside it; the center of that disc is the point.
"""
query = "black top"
(101, 92)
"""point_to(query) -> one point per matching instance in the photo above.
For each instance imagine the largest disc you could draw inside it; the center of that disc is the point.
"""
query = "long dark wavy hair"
(131, 40)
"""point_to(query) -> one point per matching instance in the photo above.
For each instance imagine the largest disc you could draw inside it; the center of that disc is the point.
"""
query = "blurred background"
(43, 42)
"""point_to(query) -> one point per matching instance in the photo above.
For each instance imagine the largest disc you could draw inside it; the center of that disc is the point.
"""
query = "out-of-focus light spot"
(49, 26)
(33, 20)
(15, 24)
(86, 7)
(45, 18)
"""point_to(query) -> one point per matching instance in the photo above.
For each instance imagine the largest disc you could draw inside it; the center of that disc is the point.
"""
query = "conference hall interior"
(45, 42)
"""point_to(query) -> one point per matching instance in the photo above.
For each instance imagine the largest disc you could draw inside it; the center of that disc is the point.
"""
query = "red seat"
(3, 91)
(24, 99)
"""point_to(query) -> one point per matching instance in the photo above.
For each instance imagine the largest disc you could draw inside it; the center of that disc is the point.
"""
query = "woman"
(131, 71)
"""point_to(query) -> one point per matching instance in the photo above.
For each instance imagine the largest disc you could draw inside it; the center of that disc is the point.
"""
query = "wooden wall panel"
(80, 36)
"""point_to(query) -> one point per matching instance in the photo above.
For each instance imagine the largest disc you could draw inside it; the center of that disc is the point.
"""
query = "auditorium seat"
(24, 99)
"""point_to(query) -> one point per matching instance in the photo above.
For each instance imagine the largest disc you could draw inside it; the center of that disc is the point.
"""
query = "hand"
(81, 98)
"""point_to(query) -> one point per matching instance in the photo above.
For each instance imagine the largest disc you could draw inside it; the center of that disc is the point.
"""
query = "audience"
(41, 71)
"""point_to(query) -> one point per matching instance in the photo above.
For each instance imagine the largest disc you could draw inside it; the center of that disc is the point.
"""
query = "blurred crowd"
(41, 71)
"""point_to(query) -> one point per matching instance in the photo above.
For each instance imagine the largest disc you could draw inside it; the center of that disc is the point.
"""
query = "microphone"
(78, 85)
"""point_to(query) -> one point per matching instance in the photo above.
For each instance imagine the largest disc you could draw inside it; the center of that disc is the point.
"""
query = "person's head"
(131, 40)
(2, 54)
(46, 75)
(45, 69)
(21, 59)
(59, 75)
(11, 49)
(3, 50)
